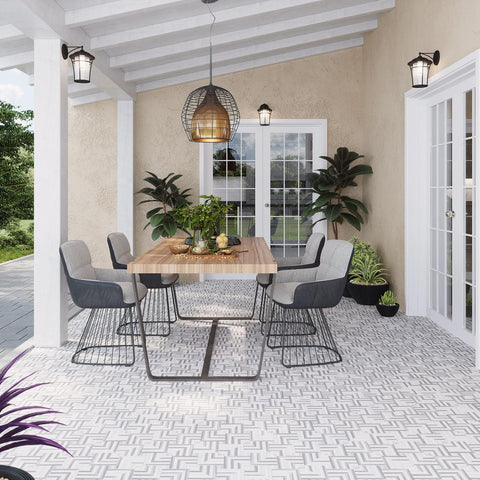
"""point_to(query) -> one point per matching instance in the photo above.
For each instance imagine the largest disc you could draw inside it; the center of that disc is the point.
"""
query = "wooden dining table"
(251, 256)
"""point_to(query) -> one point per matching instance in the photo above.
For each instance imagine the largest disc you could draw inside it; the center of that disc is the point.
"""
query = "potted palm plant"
(20, 426)
(387, 305)
(367, 282)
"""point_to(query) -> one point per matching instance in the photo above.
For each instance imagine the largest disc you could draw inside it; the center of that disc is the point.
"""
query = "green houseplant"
(329, 185)
(367, 281)
(20, 425)
(164, 192)
(203, 220)
(387, 306)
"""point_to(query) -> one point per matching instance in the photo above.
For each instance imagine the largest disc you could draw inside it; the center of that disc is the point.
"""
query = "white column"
(125, 169)
(51, 193)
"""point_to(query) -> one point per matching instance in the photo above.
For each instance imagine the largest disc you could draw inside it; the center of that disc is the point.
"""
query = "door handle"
(267, 204)
(450, 214)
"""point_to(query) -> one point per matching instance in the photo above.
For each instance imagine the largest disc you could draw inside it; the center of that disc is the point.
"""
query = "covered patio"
(402, 401)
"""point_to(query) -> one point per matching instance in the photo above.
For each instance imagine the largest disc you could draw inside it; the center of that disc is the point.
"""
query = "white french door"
(262, 174)
(452, 228)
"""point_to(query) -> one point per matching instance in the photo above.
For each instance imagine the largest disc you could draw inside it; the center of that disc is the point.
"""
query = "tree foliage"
(16, 164)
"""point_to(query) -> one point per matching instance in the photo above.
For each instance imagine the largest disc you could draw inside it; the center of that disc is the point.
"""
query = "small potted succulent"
(18, 424)
(367, 282)
(387, 305)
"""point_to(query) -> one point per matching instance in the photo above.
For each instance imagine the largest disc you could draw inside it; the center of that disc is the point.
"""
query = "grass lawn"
(10, 253)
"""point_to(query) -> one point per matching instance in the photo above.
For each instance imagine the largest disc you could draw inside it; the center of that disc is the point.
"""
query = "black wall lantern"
(81, 62)
(264, 114)
(420, 68)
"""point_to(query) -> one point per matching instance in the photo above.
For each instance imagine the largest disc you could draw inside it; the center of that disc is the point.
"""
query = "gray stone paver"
(16, 303)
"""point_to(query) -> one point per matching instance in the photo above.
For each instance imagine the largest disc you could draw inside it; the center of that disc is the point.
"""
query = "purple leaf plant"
(19, 425)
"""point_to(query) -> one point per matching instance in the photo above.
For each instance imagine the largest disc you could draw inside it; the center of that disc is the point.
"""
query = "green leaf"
(332, 161)
(332, 212)
(169, 227)
(352, 220)
(357, 203)
(360, 170)
(153, 211)
(157, 219)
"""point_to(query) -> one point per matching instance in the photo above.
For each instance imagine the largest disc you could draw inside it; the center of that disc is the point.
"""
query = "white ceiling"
(146, 44)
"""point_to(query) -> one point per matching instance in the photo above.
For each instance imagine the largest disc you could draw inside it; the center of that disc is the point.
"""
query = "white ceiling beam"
(259, 62)
(46, 19)
(257, 49)
(80, 89)
(175, 26)
(15, 61)
(349, 13)
(10, 32)
(94, 97)
(111, 10)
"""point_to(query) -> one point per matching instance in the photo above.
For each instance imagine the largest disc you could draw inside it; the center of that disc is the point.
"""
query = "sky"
(14, 89)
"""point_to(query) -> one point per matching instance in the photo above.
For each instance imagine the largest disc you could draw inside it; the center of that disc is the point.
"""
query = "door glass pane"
(291, 161)
(233, 172)
(469, 194)
(441, 268)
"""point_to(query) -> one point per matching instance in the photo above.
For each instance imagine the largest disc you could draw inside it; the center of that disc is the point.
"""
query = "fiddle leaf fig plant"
(329, 185)
(165, 192)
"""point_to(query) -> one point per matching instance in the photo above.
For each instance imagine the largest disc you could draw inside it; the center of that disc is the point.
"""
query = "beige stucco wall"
(325, 86)
(92, 176)
(412, 26)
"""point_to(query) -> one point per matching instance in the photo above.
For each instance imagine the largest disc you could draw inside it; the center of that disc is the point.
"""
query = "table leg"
(208, 354)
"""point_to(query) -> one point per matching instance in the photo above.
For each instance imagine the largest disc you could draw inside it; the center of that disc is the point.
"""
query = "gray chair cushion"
(335, 260)
(311, 255)
(264, 279)
(119, 249)
(78, 260)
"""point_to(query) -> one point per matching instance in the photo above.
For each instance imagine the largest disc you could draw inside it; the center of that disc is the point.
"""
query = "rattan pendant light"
(210, 113)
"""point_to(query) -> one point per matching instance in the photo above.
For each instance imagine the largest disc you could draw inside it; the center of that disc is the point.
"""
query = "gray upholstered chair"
(301, 295)
(311, 258)
(157, 311)
(110, 295)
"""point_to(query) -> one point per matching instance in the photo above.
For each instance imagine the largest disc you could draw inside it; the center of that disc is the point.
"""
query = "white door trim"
(417, 142)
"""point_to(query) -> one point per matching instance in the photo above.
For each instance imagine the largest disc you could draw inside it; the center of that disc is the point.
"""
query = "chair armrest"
(110, 275)
(296, 275)
(319, 294)
(95, 293)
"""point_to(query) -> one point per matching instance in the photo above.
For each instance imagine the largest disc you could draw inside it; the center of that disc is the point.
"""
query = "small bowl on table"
(179, 248)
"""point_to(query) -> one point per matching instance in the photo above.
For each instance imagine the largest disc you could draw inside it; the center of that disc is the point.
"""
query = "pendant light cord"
(211, 31)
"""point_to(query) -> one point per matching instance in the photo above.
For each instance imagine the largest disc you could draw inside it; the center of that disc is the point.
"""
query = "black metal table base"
(205, 375)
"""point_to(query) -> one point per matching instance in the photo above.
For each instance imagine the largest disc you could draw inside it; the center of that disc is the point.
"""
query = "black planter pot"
(387, 310)
(346, 293)
(367, 294)
(13, 473)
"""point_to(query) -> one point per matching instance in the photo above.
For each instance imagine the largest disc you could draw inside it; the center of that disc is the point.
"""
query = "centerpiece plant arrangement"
(387, 306)
(20, 425)
(168, 197)
(203, 221)
(329, 186)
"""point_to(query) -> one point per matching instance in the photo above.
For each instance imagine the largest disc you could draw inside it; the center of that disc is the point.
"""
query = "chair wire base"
(157, 317)
(100, 344)
(301, 348)
(299, 323)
